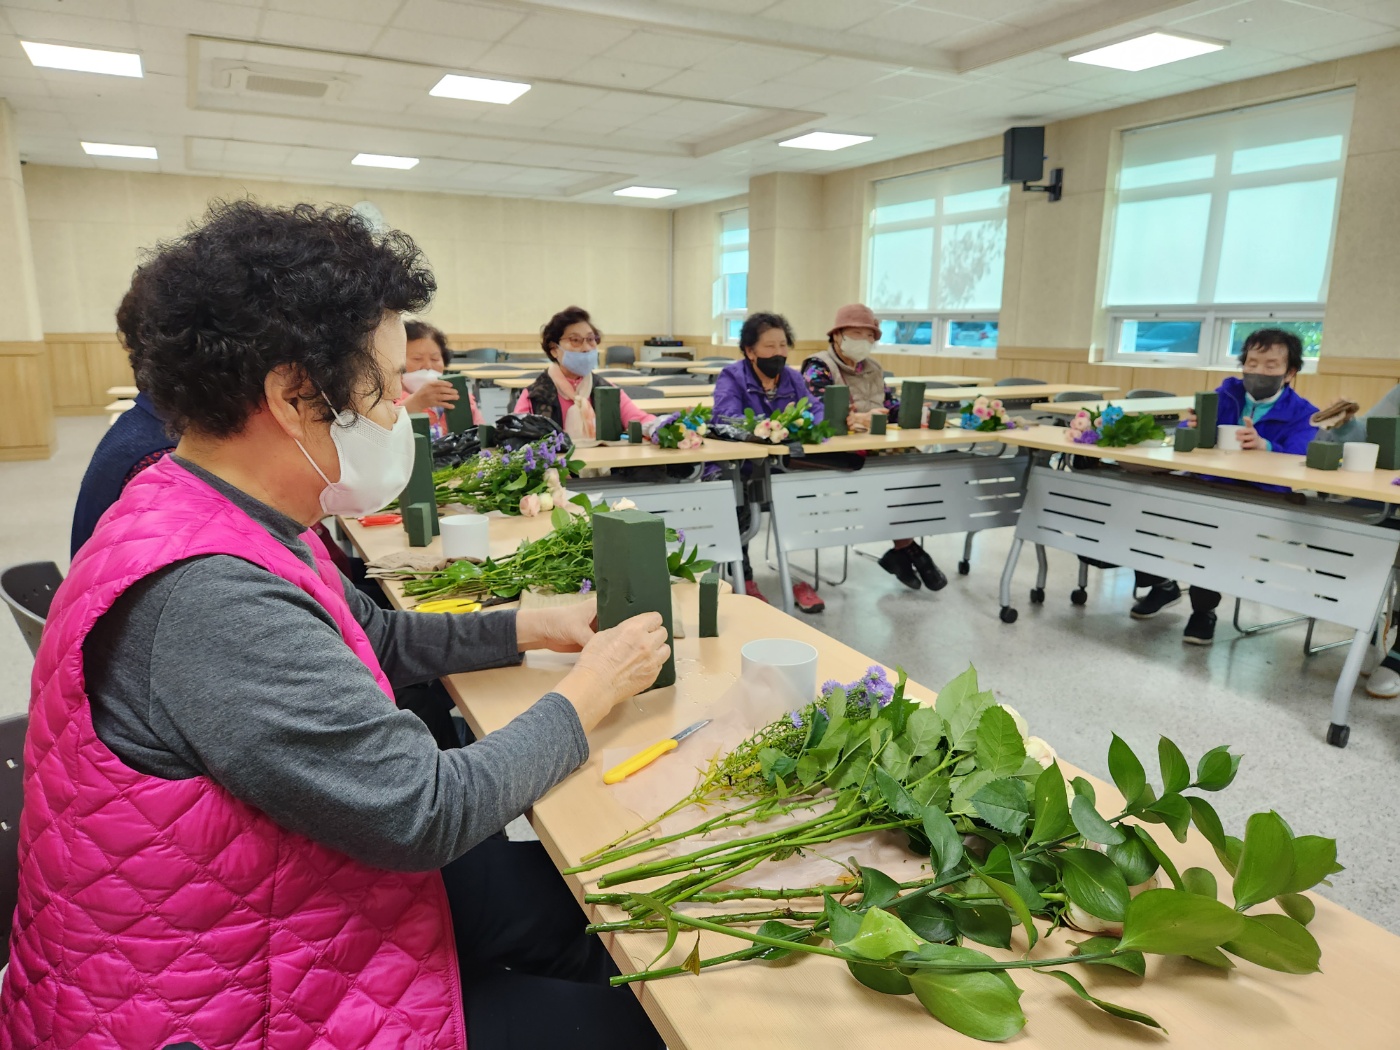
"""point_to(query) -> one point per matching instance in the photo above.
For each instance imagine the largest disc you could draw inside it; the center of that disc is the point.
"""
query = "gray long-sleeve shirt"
(216, 667)
(1355, 429)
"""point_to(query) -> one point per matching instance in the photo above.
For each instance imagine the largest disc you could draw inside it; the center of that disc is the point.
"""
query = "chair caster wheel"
(1336, 735)
(1037, 595)
(964, 568)
(1008, 614)
(1079, 596)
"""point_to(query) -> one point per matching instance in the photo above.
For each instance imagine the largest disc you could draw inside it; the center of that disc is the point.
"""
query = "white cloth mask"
(857, 350)
(416, 381)
(375, 463)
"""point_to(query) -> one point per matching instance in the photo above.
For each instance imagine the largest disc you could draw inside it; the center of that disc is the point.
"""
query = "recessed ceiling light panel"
(1147, 50)
(478, 89)
(113, 149)
(383, 160)
(826, 140)
(650, 192)
(83, 59)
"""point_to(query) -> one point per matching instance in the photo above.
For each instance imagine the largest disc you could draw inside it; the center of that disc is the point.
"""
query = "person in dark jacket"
(136, 440)
(1274, 418)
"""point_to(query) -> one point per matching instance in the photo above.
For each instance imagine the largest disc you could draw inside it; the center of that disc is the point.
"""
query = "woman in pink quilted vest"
(231, 836)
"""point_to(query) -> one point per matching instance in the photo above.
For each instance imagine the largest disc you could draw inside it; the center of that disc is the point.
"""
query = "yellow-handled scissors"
(642, 759)
(447, 605)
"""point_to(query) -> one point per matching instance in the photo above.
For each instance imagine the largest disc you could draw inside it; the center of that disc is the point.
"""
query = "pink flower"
(530, 505)
(981, 411)
(690, 440)
(996, 404)
(1080, 422)
(780, 434)
(764, 428)
(981, 402)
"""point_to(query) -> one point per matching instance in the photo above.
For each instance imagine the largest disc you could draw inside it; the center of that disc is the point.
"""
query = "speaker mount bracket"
(1053, 189)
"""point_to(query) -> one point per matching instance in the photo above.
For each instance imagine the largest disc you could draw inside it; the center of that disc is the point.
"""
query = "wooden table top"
(1037, 392)
(1265, 468)
(895, 438)
(660, 406)
(1155, 406)
(813, 1003)
(709, 368)
(492, 370)
(122, 392)
(893, 380)
(666, 364)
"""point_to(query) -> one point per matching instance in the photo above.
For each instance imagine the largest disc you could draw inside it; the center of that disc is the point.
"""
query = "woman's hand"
(437, 394)
(615, 666)
(1249, 437)
(858, 422)
(562, 628)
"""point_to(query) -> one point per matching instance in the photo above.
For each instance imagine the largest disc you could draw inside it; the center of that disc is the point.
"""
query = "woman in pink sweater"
(563, 390)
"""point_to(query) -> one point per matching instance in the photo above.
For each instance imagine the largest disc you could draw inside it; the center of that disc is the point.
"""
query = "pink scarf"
(579, 420)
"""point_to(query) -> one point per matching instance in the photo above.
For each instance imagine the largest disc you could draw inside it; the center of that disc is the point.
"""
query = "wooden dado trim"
(81, 337)
(1070, 355)
(18, 349)
(1389, 367)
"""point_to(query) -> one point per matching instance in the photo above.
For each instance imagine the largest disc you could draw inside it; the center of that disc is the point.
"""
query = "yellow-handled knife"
(642, 759)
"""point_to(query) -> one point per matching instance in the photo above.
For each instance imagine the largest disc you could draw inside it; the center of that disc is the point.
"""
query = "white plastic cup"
(466, 536)
(1359, 456)
(1227, 438)
(795, 664)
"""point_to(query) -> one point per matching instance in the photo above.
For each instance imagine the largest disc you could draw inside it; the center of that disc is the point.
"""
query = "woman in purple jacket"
(761, 380)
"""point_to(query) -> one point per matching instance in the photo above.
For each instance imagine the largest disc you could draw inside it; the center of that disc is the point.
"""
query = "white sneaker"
(1384, 684)
(1371, 661)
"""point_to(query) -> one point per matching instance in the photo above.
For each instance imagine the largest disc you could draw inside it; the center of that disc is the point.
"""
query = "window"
(732, 285)
(937, 254)
(1224, 224)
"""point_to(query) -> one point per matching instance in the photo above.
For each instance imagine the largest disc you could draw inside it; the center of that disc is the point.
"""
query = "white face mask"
(375, 463)
(416, 381)
(857, 350)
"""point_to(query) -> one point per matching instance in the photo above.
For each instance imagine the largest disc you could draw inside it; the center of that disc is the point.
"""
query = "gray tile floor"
(1077, 674)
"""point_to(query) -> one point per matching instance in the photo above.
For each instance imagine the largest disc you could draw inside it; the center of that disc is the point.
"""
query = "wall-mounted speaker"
(1023, 155)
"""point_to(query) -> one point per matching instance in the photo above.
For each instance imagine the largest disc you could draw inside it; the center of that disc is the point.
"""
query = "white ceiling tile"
(837, 74)
(114, 9)
(509, 60)
(557, 32)
(455, 19)
(1387, 12)
(203, 16)
(374, 12)
(631, 102)
(917, 26)
(1244, 21)
(756, 64)
(779, 95)
(279, 27)
(448, 52)
(699, 83)
(735, 7)
(53, 27)
(819, 14)
(911, 85)
(1051, 71)
(1315, 33)
(635, 76)
(1327, 54)
(671, 49)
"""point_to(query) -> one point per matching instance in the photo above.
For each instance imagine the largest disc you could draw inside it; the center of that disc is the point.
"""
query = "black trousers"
(1202, 600)
(531, 977)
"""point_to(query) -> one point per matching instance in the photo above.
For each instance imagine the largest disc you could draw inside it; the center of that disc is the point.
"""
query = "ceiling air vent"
(263, 84)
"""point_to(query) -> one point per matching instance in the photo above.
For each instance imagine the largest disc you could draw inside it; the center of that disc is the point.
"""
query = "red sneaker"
(751, 589)
(808, 600)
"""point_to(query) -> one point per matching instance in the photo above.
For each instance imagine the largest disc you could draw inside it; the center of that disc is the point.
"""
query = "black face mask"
(772, 367)
(1261, 387)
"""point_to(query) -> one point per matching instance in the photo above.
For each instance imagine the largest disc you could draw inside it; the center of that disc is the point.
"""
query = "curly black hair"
(553, 329)
(1264, 338)
(254, 287)
(756, 324)
(423, 330)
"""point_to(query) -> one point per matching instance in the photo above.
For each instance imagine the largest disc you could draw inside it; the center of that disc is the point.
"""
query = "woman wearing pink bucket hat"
(847, 360)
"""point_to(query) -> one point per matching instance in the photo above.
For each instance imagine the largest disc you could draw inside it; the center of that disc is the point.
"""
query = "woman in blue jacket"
(1274, 418)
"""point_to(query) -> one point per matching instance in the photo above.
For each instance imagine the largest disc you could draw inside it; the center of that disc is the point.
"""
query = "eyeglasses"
(580, 340)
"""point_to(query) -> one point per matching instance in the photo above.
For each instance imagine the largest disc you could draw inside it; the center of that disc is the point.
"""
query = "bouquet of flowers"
(1111, 428)
(792, 424)
(986, 414)
(682, 429)
(1010, 843)
(524, 481)
(559, 563)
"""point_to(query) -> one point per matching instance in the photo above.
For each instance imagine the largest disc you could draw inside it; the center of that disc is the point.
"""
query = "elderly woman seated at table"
(230, 833)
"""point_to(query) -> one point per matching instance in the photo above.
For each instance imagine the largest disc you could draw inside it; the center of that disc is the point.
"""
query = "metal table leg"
(1008, 614)
(1042, 570)
(965, 566)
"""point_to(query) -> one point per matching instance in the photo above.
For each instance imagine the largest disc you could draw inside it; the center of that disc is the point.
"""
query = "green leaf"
(980, 1005)
(1231, 858)
(1051, 806)
(983, 923)
(1131, 961)
(1207, 822)
(774, 928)
(1003, 805)
(1174, 922)
(1090, 824)
(1266, 863)
(842, 923)
(899, 800)
(877, 888)
(1315, 858)
(1173, 811)
(881, 978)
(1095, 884)
(1276, 942)
(1083, 787)
(1012, 900)
(1126, 769)
(673, 928)
(960, 705)
(881, 935)
(1201, 882)
(1176, 773)
(1133, 859)
(894, 759)
(1002, 865)
(692, 961)
(1107, 1007)
(924, 731)
(945, 844)
(927, 917)
(1298, 907)
(774, 764)
(558, 517)
(1216, 769)
(1000, 749)
(1213, 957)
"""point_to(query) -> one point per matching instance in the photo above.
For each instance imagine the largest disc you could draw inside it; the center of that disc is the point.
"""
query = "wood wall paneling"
(26, 413)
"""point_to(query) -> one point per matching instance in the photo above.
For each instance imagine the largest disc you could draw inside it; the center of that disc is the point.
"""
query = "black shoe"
(1157, 599)
(930, 573)
(1200, 629)
(896, 562)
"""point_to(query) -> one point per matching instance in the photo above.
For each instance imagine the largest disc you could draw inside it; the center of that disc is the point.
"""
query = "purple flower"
(585, 586)
(829, 687)
(680, 535)
(796, 718)
(529, 458)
